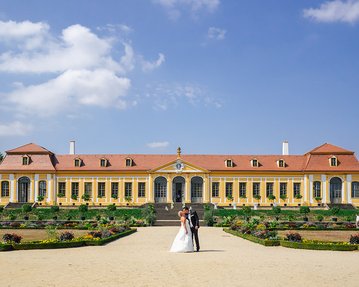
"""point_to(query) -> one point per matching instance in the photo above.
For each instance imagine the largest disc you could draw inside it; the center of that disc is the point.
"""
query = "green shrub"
(55, 208)
(283, 197)
(74, 197)
(149, 214)
(40, 198)
(111, 207)
(271, 197)
(276, 209)
(5, 247)
(83, 208)
(26, 207)
(208, 216)
(265, 242)
(304, 209)
(334, 210)
(85, 197)
(320, 217)
(1, 208)
(319, 245)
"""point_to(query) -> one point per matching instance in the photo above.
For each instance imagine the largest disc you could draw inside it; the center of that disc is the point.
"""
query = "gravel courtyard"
(142, 259)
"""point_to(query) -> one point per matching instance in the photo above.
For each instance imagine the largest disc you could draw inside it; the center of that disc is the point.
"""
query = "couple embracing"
(189, 229)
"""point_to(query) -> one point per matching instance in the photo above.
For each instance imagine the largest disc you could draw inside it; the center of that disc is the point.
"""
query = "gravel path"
(142, 259)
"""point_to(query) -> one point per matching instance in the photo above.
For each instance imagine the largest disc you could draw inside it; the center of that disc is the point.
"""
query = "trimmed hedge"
(64, 244)
(319, 246)
(265, 242)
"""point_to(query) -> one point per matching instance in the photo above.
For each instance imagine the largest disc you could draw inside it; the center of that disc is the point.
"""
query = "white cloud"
(149, 66)
(79, 68)
(72, 88)
(335, 11)
(216, 33)
(174, 8)
(15, 128)
(158, 144)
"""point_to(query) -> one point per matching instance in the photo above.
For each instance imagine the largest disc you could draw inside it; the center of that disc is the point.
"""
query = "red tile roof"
(316, 160)
(30, 148)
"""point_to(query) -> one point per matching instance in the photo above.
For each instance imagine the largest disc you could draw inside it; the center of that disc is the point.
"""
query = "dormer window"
(333, 161)
(77, 162)
(25, 160)
(229, 163)
(281, 163)
(103, 162)
(129, 162)
(254, 163)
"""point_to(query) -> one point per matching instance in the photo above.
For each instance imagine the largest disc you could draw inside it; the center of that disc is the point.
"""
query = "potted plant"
(60, 195)
(40, 198)
(258, 198)
(230, 199)
(318, 199)
(128, 199)
(298, 196)
(271, 197)
(74, 197)
(114, 196)
(86, 197)
(243, 196)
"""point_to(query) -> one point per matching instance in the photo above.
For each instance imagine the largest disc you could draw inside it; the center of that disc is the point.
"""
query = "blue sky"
(211, 76)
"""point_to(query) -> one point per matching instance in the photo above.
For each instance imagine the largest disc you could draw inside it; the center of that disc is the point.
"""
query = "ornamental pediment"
(179, 166)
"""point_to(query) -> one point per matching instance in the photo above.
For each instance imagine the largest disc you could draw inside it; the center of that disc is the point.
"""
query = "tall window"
(281, 163)
(42, 188)
(25, 160)
(141, 189)
(103, 162)
(5, 190)
(62, 188)
(88, 188)
(255, 163)
(317, 189)
(296, 189)
(333, 161)
(160, 187)
(229, 163)
(215, 189)
(74, 189)
(242, 189)
(196, 187)
(269, 188)
(128, 189)
(101, 189)
(114, 189)
(355, 189)
(229, 189)
(77, 162)
(256, 188)
(129, 162)
(283, 189)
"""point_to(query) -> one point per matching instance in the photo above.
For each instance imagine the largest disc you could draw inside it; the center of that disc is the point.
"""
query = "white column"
(54, 189)
(349, 188)
(324, 188)
(311, 188)
(305, 191)
(204, 190)
(36, 180)
(49, 191)
(12, 188)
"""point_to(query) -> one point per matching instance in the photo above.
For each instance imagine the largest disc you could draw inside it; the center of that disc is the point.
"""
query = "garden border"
(65, 244)
(265, 242)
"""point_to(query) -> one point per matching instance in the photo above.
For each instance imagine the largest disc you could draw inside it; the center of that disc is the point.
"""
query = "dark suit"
(194, 219)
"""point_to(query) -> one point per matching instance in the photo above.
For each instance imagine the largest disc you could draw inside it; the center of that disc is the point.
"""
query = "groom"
(193, 219)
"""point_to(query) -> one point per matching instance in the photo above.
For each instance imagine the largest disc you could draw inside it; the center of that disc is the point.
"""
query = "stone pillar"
(150, 196)
(311, 188)
(187, 189)
(33, 195)
(49, 191)
(324, 188)
(13, 195)
(349, 188)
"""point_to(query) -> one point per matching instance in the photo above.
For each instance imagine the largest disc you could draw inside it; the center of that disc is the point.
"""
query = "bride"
(183, 241)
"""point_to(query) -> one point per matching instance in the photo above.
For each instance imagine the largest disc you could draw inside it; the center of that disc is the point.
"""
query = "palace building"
(327, 174)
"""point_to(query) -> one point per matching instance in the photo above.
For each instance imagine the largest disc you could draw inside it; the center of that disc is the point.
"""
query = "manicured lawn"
(37, 234)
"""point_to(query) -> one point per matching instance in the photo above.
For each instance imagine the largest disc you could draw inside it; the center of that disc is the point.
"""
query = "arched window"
(5, 190)
(317, 189)
(355, 189)
(160, 189)
(196, 189)
(42, 188)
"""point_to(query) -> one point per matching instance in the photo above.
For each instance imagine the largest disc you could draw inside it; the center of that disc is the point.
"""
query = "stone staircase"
(167, 214)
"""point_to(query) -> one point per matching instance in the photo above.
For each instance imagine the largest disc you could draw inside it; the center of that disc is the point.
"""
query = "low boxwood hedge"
(265, 242)
(64, 244)
(319, 245)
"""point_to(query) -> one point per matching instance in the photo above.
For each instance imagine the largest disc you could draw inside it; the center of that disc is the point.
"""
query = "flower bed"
(76, 242)
(319, 245)
(265, 242)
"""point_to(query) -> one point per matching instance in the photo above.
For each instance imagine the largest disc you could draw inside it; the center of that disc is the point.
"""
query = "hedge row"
(64, 244)
(319, 246)
(297, 245)
(265, 242)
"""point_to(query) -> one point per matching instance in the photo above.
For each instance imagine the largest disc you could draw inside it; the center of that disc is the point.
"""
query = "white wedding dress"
(183, 242)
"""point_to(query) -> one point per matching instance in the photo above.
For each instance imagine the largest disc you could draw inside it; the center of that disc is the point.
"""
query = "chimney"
(285, 148)
(72, 147)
